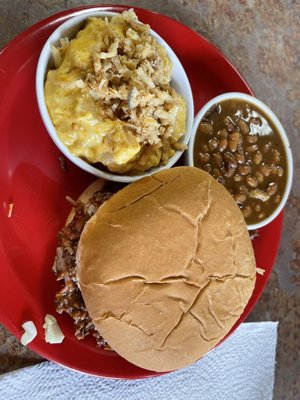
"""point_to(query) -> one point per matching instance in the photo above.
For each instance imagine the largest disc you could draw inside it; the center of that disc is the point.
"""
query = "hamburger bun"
(166, 268)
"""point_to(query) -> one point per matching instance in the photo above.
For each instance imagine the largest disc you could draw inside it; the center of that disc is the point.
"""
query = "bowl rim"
(275, 120)
(41, 70)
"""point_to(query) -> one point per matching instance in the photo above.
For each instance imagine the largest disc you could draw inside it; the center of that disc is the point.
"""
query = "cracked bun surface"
(166, 268)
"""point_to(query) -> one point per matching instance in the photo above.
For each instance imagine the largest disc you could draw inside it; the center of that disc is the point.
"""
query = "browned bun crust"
(166, 267)
(94, 187)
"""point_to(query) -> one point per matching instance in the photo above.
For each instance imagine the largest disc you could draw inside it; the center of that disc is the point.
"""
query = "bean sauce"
(241, 148)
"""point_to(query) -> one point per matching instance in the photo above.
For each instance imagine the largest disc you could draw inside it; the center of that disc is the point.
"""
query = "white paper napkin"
(241, 368)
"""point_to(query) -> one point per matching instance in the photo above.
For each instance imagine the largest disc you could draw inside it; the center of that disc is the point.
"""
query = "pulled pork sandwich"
(165, 268)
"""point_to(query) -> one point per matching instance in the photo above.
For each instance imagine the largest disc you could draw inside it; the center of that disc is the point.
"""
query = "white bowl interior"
(254, 101)
(179, 81)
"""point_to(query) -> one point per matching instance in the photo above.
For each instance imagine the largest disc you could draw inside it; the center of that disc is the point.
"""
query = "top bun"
(166, 267)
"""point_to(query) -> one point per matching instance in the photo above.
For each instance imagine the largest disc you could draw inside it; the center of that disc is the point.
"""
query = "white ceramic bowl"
(179, 81)
(271, 117)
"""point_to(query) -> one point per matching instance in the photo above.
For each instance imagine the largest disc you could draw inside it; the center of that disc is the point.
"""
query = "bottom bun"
(95, 186)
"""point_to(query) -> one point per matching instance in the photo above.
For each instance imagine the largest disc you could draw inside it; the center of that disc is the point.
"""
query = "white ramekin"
(271, 117)
(179, 81)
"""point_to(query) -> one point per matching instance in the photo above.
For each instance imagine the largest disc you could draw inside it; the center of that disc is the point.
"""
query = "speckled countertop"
(262, 39)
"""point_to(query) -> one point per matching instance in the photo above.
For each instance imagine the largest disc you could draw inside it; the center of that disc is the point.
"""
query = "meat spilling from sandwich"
(69, 299)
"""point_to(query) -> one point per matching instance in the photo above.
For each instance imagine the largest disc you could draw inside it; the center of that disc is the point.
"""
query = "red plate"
(31, 178)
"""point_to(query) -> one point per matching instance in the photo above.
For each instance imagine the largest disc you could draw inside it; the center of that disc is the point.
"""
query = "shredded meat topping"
(131, 80)
(69, 299)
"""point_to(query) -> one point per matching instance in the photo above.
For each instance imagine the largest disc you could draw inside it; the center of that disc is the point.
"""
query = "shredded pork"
(131, 80)
(69, 299)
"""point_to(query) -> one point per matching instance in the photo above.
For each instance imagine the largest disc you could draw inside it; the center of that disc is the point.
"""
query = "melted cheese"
(77, 118)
